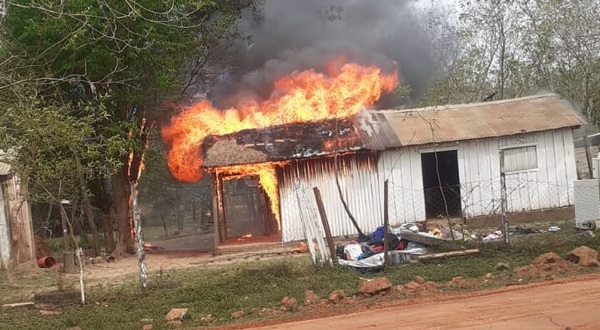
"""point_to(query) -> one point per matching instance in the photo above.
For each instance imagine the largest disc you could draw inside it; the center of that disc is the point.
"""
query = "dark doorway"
(441, 184)
(248, 217)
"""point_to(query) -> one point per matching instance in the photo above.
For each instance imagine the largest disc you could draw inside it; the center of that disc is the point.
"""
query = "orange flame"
(267, 179)
(300, 97)
(342, 91)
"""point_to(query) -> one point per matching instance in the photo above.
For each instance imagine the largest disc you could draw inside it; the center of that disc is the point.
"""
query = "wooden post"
(216, 211)
(504, 201)
(325, 225)
(386, 226)
(588, 155)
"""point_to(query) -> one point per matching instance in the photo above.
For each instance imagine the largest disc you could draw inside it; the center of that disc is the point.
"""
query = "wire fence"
(477, 199)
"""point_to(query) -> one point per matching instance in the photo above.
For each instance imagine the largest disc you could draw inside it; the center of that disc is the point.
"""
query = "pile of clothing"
(368, 252)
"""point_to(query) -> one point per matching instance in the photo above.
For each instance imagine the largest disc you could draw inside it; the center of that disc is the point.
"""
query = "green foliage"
(518, 48)
(53, 144)
(76, 76)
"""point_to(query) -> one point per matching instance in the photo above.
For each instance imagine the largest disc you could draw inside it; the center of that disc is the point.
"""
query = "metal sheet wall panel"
(360, 185)
(550, 185)
(361, 179)
(402, 169)
(587, 200)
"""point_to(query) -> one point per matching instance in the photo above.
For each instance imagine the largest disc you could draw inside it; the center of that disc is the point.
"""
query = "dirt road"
(565, 305)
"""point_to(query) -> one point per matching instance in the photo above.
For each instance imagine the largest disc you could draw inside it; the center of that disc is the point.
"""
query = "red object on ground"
(46, 262)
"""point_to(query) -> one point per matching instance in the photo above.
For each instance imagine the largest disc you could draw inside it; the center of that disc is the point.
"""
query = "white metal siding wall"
(360, 185)
(548, 186)
(402, 169)
(479, 176)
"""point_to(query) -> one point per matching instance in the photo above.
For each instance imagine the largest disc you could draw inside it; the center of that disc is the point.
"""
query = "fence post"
(504, 200)
(326, 227)
(386, 225)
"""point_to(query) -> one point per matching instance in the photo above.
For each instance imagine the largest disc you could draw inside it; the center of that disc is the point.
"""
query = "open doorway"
(440, 170)
(248, 217)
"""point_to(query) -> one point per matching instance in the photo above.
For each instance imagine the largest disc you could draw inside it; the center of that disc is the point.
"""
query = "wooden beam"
(326, 227)
(448, 254)
(215, 194)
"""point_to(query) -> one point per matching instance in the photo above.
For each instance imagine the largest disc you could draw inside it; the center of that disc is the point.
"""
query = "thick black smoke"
(290, 35)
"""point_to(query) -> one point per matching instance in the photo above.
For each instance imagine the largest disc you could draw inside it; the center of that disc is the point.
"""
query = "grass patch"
(246, 286)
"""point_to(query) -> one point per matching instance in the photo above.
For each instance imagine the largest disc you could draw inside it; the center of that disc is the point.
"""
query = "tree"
(514, 48)
(52, 151)
(121, 58)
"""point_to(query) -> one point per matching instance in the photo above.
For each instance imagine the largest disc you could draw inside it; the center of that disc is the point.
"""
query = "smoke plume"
(289, 35)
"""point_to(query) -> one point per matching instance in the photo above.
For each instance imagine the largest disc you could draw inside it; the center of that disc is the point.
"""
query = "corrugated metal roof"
(384, 129)
(467, 121)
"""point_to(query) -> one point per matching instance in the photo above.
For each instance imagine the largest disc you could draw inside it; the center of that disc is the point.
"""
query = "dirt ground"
(179, 253)
(559, 304)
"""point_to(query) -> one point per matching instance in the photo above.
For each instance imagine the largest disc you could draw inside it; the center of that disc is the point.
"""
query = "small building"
(16, 228)
(439, 161)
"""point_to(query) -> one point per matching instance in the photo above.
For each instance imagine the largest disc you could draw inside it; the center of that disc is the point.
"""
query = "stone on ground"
(501, 266)
(311, 298)
(337, 296)
(238, 314)
(547, 258)
(584, 256)
(176, 314)
(374, 286)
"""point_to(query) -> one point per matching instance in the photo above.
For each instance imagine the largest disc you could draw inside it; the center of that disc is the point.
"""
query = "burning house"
(437, 160)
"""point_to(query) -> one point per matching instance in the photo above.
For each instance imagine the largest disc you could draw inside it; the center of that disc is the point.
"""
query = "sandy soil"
(179, 253)
(564, 304)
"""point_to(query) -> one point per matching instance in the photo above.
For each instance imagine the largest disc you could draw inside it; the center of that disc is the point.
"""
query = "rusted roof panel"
(279, 143)
(478, 120)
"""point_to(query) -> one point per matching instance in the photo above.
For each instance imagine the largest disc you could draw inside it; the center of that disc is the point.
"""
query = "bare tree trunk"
(63, 219)
(108, 214)
(89, 212)
(121, 204)
(194, 209)
(502, 58)
(177, 209)
(162, 218)
(78, 225)
(47, 221)
(107, 225)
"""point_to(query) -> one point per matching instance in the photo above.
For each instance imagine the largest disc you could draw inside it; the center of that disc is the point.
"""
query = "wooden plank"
(588, 155)
(422, 239)
(561, 169)
(570, 162)
(448, 254)
(216, 214)
(21, 304)
(325, 222)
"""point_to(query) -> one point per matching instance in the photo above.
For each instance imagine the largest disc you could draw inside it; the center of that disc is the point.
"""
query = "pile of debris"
(406, 243)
